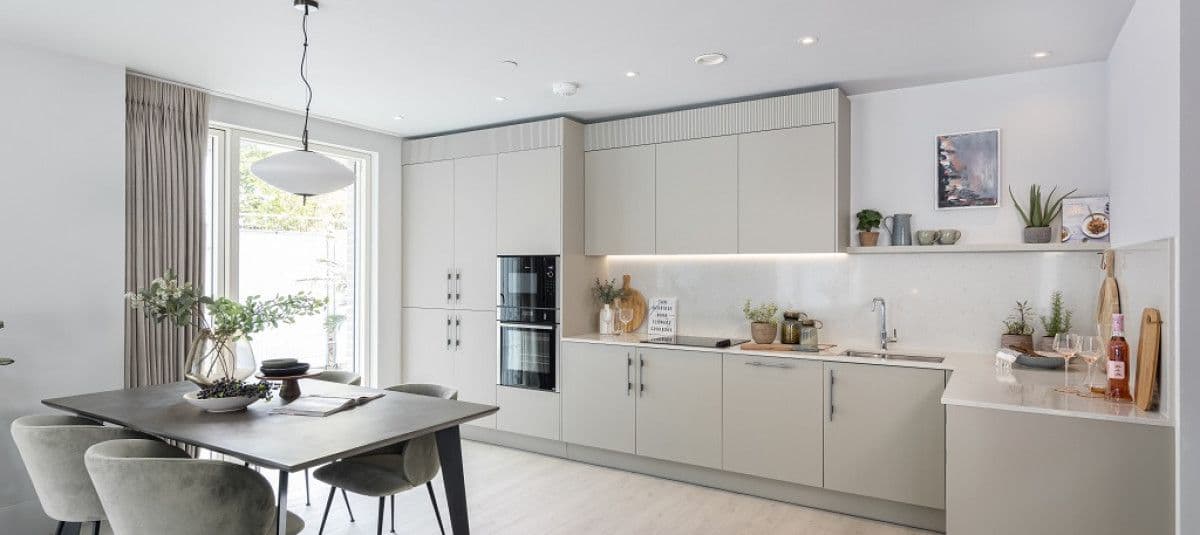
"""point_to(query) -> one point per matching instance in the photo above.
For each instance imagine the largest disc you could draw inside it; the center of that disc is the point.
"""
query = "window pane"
(286, 245)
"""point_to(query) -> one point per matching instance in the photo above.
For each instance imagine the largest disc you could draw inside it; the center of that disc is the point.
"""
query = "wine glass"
(1067, 345)
(1091, 348)
(625, 314)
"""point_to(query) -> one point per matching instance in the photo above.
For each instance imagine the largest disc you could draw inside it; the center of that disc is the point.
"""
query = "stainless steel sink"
(889, 356)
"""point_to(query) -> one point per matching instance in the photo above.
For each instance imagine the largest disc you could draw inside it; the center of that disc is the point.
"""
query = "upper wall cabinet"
(529, 198)
(428, 234)
(619, 198)
(765, 176)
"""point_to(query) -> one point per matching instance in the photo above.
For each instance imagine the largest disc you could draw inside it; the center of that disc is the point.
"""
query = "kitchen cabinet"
(428, 235)
(773, 418)
(598, 398)
(475, 233)
(788, 179)
(529, 202)
(679, 406)
(525, 411)
(885, 433)
(695, 203)
(456, 348)
(619, 197)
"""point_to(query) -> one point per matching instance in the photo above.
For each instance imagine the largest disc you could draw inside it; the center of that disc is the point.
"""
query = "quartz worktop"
(974, 381)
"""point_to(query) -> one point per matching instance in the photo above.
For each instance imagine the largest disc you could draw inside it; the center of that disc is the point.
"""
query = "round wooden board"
(635, 300)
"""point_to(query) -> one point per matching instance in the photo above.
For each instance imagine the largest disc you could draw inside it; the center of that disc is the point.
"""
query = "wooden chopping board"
(1109, 302)
(1146, 390)
(633, 299)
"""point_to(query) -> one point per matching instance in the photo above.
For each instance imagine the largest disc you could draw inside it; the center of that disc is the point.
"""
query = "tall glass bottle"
(1118, 360)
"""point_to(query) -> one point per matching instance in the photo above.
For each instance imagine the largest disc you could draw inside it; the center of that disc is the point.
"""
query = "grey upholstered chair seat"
(340, 376)
(151, 488)
(369, 475)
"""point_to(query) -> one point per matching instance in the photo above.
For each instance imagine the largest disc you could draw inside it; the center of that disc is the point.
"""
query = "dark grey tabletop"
(280, 442)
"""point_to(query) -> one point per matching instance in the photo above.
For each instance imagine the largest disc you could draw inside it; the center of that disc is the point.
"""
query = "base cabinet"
(679, 406)
(598, 400)
(885, 433)
(772, 418)
(455, 348)
(525, 411)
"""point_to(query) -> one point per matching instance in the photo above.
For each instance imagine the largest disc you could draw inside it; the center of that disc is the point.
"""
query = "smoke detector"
(565, 89)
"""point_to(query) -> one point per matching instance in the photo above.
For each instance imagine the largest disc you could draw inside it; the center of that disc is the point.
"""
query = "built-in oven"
(527, 321)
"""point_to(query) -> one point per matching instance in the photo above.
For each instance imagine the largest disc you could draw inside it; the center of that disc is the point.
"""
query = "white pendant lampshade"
(303, 172)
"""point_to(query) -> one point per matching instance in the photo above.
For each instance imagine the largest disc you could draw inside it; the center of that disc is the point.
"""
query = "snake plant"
(1041, 213)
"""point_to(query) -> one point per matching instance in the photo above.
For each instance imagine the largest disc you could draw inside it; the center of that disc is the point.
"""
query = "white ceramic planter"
(219, 404)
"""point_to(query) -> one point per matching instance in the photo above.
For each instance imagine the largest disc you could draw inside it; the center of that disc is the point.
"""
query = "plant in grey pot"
(1040, 213)
(1058, 322)
(763, 323)
(1018, 327)
(868, 221)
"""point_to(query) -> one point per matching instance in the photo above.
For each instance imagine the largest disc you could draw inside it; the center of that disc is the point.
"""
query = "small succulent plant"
(762, 313)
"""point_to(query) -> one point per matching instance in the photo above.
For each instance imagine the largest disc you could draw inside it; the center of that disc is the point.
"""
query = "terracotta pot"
(1045, 343)
(1037, 234)
(868, 239)
(763, 333)
(1019, 340)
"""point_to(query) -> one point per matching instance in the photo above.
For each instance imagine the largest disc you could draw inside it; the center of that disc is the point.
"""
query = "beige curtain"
(166, 137)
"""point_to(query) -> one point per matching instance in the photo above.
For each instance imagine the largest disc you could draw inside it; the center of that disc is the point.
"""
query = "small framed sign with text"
(661, 317)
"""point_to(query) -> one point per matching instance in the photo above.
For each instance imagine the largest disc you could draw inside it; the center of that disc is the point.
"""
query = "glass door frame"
(223, 201)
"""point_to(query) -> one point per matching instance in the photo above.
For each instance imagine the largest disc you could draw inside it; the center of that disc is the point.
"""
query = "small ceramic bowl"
(927, 237)
(948, 236)
(219, 404)
(278, 363)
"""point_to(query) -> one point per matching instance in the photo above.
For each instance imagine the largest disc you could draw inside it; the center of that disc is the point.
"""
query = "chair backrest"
(52, 448)
(421, 463)
(151, 488)
(340, 376)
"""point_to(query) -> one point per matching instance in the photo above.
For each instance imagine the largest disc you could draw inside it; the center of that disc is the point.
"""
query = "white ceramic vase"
(607, 325)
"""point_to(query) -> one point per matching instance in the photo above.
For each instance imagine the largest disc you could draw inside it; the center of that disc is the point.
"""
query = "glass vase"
(212, 358)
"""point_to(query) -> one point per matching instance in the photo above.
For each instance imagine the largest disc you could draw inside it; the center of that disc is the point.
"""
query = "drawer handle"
(758, 364)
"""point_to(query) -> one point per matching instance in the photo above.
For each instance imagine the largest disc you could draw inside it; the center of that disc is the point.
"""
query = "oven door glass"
(527, 355)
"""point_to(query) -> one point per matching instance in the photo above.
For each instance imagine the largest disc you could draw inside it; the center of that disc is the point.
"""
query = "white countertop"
(974, 382)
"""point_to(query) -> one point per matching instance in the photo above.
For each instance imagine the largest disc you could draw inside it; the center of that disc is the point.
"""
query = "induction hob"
(694, 341)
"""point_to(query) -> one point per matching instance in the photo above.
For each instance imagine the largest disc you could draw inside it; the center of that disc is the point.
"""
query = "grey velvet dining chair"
(341, 377)
(52, 447)
(151, 488)
(389, 470)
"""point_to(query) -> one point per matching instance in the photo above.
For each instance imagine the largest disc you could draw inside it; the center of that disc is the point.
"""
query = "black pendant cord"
(304, 77)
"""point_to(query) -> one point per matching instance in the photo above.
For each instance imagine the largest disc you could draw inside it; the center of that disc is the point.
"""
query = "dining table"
(290, 443)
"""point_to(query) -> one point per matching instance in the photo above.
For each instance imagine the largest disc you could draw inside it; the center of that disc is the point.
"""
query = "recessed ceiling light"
(1041, 54)
(631, 74)
(713, 58)
(499, 99)
(808, 40)
(398, 117)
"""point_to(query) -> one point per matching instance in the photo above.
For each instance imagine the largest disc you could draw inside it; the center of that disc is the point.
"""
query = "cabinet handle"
(628, 375)
(641, 375)
(458, 285)
(758, 364)
(457, 332)
(449, 284)
(448, 336)
(831, 395)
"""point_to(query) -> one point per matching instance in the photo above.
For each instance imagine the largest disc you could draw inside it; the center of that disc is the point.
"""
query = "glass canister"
(789, 328)
(808, 334)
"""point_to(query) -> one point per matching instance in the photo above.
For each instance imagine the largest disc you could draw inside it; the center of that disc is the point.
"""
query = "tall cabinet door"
(598, 396)
(619, 186)
(529, 202)
(696, 187)
(475, 233)
(427, 336)
(885, 433)
(428, 234)
(679, 406)
(475, 362)
(784, 177)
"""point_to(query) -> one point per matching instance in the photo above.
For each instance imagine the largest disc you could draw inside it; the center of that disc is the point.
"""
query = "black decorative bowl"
(288, 371)
(271, 364)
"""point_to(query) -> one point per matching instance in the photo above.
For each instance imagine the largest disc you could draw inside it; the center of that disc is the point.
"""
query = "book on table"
(322, 405)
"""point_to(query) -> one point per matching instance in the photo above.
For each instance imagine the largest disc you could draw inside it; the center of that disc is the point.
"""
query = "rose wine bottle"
(1118, 360)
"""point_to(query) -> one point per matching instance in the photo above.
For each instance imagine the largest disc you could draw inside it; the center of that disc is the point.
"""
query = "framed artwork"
(968, 170)
(1085, 220)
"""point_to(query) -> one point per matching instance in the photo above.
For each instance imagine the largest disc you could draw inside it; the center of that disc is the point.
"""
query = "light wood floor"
(514, 492)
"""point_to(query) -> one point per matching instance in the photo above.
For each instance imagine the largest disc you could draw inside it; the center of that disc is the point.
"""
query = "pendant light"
(303, 172)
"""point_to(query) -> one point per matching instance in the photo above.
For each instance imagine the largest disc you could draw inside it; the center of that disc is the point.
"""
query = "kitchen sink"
(889, 356)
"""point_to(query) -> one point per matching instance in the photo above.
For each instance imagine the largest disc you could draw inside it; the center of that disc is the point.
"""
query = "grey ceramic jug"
(900, 229)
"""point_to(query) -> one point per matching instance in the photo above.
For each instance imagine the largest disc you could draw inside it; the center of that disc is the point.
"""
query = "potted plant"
(868, 221)
(1018, 327)
(1058, 322)
(1040, 214)
(220, 349)
(606, 292)
(763, 323)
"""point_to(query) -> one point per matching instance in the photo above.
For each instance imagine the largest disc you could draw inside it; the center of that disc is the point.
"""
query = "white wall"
(387, 209)
(1188, 448)
(1052, 132)
(62, 237)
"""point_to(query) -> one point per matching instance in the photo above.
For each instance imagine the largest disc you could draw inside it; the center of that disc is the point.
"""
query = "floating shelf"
(982, 248)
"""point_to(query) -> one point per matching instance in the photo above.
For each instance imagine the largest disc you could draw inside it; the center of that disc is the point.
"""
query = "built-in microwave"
(527, 321)
(527, 282)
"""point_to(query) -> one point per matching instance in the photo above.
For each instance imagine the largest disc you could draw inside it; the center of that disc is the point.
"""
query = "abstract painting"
(968, 169)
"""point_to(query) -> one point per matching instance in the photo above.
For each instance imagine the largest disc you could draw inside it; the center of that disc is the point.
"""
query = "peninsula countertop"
(974, 381)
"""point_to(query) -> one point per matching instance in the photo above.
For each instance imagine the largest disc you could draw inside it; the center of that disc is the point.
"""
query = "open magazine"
(321, 405)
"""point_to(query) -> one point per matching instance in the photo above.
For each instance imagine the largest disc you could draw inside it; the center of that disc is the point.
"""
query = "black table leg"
(70, 528)
(281, 507)
(450, 452)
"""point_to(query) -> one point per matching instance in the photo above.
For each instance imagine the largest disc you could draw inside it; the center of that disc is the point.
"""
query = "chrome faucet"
(879, 304)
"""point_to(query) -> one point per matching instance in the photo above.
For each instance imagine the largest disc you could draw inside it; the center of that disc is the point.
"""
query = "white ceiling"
(436, 62)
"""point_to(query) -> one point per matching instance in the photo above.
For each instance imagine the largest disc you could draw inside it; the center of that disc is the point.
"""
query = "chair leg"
(59, 530)
(433, 500)
(393, 513)
(328, 504)
(348, 510)
(96, 528)
(382, 503)
(307, 494)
